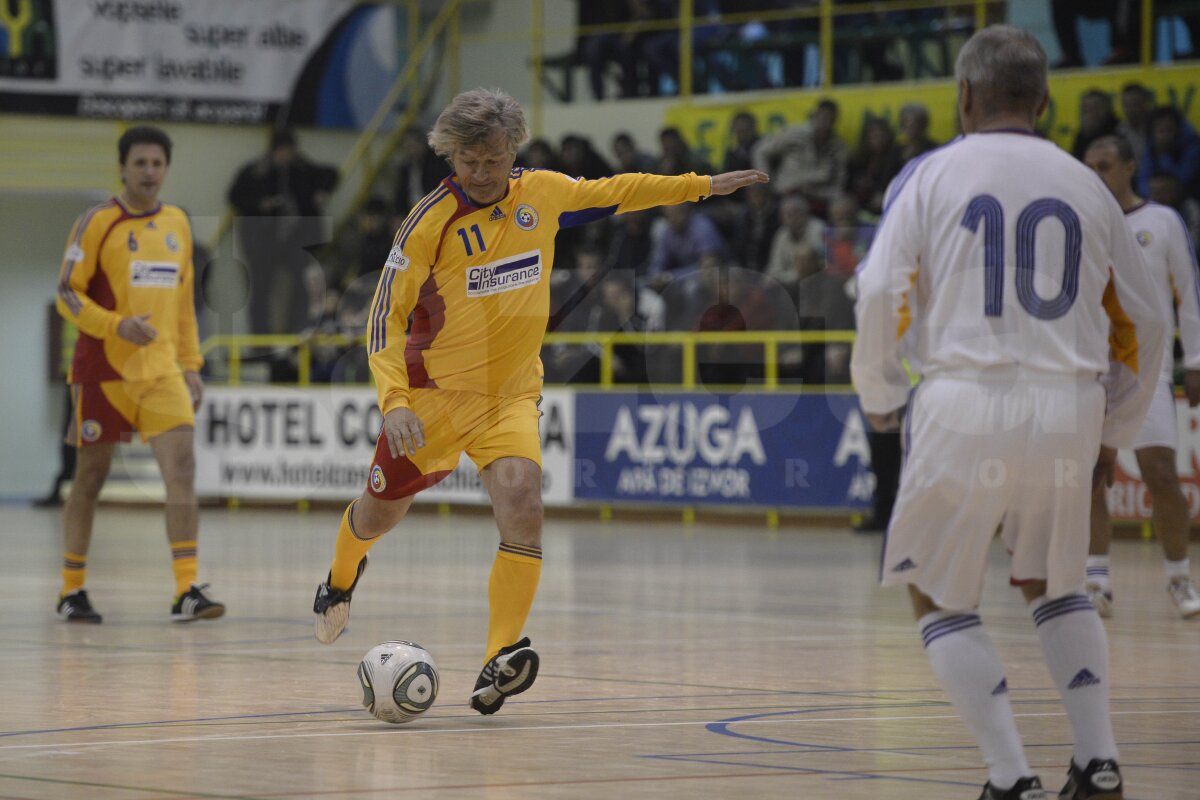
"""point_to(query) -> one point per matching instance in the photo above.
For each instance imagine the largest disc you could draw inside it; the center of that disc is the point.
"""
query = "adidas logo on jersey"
(496, 214)
(1082, 679)
(904, 566)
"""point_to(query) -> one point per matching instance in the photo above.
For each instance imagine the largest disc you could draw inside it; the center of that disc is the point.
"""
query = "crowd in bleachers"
(775, 257)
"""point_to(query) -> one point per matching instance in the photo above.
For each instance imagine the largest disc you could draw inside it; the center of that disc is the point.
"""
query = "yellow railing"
(770, 341)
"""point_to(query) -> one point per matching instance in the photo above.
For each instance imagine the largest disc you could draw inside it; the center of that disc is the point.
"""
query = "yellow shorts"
(484, 427)
(111, 410)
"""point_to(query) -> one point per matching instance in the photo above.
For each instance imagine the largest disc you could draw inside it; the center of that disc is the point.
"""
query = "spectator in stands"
(1124, 19)
(678, 240)
(629, 157)
(363, 249)
(580, 159)
(574, 300)
(631, 243)
(914, 127)
(807, 159)
(655, 53)
(744, 132)
(625, 307)
(279, 199)
(539, 154)
(798, 230)
(677, 158)
(418, 170)
(1166, 190)
(847, 237)
(873, 165)
(598, 50)
(1096, 120)
(1136, 105)
(322, 320)
(755, 223)
(1173, 147)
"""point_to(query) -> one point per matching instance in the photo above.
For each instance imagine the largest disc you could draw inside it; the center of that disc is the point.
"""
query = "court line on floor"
(493, 729)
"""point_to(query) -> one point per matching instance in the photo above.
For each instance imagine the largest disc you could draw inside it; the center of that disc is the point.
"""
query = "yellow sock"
(348, 551)
(73, 572)
(183, 562)
(514, 582)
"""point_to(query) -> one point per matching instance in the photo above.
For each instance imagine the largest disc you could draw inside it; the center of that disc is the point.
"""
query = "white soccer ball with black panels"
(399, 681)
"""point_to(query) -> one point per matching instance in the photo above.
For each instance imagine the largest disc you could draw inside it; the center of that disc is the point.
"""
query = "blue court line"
(836, 774)
(111, 725)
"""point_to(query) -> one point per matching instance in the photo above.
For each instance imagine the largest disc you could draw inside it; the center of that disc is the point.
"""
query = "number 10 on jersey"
(986, 210)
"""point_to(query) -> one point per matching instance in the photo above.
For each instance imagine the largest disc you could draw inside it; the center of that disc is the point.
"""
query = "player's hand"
(404, 431)
(136, 330)
(1106, 467)
(730, 182)
(195, 385)
(1191, 387)
(885, 423)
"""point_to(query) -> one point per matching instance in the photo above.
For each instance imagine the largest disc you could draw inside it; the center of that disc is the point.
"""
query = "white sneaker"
(1101, 598)
(1186, 598)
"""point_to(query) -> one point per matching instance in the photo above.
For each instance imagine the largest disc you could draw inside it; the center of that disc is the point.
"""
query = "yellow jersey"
(119, 264)
(476, 279)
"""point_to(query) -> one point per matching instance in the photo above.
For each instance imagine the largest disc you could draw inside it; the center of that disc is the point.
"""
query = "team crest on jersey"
(526, 217)
(133, 245)
(397, 260)
(505, 275)
(378, 482)
(154, 274)
(90, 430)
(1144, 238)
(172, 242)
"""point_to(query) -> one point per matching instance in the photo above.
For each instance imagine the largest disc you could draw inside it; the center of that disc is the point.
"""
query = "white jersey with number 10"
(1034, 267)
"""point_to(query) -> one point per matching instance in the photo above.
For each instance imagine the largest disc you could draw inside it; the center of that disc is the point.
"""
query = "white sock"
(1097, 571)
(1178, 569)
(969, 671)
(1076, 651)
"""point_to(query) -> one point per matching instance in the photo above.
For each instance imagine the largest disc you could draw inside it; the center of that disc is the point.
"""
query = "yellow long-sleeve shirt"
(120, 264)
(476, 279)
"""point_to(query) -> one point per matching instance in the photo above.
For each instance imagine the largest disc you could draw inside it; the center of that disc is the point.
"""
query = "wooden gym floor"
(701, 662)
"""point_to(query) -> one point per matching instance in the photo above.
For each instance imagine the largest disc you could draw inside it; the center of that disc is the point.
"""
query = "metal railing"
(688, 343)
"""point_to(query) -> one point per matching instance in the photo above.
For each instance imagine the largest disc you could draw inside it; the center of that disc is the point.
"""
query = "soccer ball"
(399, 681)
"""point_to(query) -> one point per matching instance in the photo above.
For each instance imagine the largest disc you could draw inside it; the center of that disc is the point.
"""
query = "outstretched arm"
(730, 182)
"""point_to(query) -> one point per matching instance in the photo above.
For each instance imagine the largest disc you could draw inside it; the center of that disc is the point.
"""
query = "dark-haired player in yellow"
(471, 267)
(126, 282)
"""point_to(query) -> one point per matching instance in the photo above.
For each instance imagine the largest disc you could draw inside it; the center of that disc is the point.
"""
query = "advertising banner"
(222, 61)
(270, 442)
(782, 450)
(1128, 498)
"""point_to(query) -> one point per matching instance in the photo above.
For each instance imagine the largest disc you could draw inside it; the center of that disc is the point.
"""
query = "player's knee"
(179, 472)
(522, 512)
(374, 517)
(88, 482)
(1159, 475)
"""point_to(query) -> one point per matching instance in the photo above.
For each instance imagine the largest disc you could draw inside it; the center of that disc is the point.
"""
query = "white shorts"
(1159, 429)
(982, 454)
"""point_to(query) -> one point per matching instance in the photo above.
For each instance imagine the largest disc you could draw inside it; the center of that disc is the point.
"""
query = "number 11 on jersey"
(462, 232)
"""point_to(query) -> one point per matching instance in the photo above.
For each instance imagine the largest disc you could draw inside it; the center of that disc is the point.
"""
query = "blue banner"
(767, 449)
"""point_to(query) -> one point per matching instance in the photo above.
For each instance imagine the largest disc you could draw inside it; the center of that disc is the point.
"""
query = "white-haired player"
(1002, 264)
(1165, 243)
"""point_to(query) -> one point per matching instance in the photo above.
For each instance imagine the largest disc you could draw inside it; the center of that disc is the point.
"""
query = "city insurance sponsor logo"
(505, 275)
(29, 44)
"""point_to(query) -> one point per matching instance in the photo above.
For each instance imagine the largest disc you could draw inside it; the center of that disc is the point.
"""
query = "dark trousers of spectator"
(885, 463)
(598, 51)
